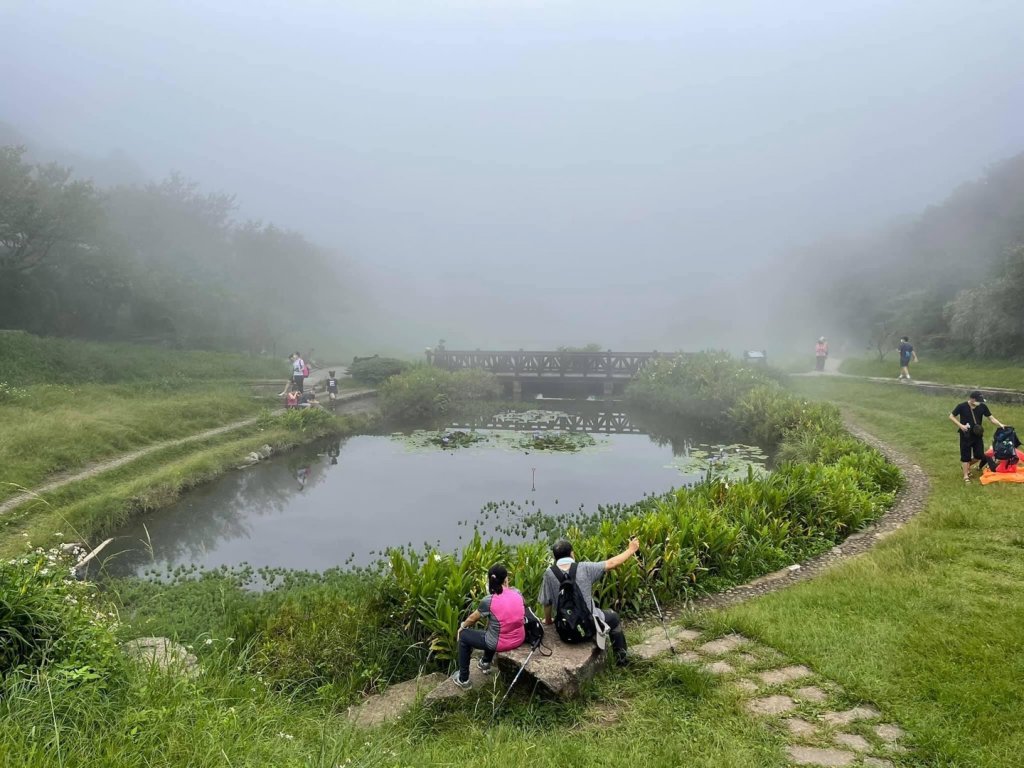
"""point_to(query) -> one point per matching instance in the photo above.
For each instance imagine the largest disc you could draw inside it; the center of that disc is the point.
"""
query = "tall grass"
(27, 359)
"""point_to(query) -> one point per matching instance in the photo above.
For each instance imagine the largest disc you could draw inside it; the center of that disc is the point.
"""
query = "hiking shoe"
(463, 684)
(621, 660)
(485, 666)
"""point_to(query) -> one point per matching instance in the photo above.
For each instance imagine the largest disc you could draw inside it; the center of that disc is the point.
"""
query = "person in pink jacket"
(505, 611)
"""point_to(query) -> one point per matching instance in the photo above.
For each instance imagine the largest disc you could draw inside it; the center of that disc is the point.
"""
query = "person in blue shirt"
(907, 356)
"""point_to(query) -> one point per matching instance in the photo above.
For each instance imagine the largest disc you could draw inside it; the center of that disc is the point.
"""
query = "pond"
(343, 503)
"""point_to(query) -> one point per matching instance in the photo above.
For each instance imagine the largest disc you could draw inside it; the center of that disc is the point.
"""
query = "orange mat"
(988, 476)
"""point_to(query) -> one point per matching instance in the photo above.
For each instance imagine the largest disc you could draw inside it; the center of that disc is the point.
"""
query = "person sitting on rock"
(587, 574)
(505, 611)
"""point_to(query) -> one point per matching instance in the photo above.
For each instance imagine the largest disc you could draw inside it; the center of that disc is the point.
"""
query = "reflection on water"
(347, 501)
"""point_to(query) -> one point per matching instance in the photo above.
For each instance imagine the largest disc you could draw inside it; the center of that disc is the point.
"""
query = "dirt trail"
(97, 468)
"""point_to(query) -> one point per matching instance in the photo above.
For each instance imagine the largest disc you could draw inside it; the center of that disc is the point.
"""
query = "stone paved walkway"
(821, 723)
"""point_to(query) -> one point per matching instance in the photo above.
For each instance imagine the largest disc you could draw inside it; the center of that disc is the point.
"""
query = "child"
(332, 385)
(291, 400)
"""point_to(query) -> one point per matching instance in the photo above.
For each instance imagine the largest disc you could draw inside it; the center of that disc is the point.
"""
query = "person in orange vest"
(820, 353)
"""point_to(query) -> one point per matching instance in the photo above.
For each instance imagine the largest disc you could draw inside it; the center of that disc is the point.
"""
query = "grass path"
(97, 468)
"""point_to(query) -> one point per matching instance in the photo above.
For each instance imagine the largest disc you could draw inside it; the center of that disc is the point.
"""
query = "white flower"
(437, 557)
(284, 735)
(209, 641)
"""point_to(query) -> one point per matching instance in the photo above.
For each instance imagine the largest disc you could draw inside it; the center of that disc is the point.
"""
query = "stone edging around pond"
(909, 501)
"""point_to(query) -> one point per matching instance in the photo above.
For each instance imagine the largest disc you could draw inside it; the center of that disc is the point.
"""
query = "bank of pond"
(347, 566)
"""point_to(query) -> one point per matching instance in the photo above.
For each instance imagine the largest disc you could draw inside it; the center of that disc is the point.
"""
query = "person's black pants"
(820, 363)
(468, 640)
(297, 380)
(617, 635)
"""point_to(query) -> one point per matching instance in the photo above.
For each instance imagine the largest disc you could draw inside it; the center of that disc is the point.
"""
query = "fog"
(533, 174)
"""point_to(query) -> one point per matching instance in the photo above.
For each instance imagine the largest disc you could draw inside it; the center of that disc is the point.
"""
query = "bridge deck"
(542, 365)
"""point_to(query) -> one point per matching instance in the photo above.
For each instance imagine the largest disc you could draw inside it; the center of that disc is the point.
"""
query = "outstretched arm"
(994, 420)
(612, 563)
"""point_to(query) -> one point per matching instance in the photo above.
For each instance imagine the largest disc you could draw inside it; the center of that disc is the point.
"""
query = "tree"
(42, 212)
(883, 333)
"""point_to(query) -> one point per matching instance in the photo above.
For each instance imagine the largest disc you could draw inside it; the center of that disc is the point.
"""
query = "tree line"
(159, 262)
(951, 278)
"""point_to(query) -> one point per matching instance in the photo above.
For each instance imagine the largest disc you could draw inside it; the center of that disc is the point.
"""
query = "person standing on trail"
(298, 371)
(820, 353)
(967, 416)
(907, 356)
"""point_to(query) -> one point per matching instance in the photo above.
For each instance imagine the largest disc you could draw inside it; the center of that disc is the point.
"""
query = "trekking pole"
(657, 607)
(514, 679)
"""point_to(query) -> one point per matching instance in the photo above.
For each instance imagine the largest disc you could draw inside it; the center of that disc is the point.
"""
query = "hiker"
(907, 356)
(967, 416)
(505, 611)
(308, 399)
(820, 353)
(332, 385)
(585, 574)
(299, 371)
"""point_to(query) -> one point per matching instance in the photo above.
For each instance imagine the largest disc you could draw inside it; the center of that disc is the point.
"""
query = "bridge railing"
(542, 363)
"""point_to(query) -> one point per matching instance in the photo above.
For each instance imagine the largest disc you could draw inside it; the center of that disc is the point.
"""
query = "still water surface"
(346, 502)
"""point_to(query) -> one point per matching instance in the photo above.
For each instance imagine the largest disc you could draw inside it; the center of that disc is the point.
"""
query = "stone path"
(822, 724)
(995, 394)
(98, 468)
(909, 501)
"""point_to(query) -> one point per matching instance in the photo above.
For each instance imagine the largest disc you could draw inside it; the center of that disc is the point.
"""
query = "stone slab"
(723, 645)
(851, 715)
(800, 728)
(656, 644)
(720, 668)
(830, 758)
(394, 702)
(785, 675)
(810, 693)
(876, 762)
(852, 741)
(770, 705)
(446, 689)
(889, 733)
(166, 654)
(560, 674)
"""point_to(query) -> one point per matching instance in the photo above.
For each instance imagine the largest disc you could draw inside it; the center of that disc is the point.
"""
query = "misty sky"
(535, 173)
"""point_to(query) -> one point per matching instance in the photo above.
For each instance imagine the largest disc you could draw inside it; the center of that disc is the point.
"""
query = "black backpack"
(534, 629)
(1004, 445)
(574, 621)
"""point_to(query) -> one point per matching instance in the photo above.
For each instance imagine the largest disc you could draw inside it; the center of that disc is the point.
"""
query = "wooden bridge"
(523, 364)
(608, 367)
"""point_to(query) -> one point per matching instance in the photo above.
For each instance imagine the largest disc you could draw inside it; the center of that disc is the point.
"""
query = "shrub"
(425, 392)
(49, 621)
(374, 371)
(700, 387)
(321, 639)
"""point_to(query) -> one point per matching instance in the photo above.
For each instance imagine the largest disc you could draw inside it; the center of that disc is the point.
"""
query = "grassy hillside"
(65, 404)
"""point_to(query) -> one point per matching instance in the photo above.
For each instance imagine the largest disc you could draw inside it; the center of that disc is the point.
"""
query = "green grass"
(929, 623)
(26, 359)
(58, 428)
(89, 509)
(1006, 374)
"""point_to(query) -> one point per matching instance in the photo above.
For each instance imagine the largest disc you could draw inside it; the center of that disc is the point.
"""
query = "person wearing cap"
(967, 416)
(505, 611)
(820, 353)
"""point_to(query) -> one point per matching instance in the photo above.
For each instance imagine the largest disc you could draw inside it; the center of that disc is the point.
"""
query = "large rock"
(562, 673)
(164, 653)
(394, 702)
